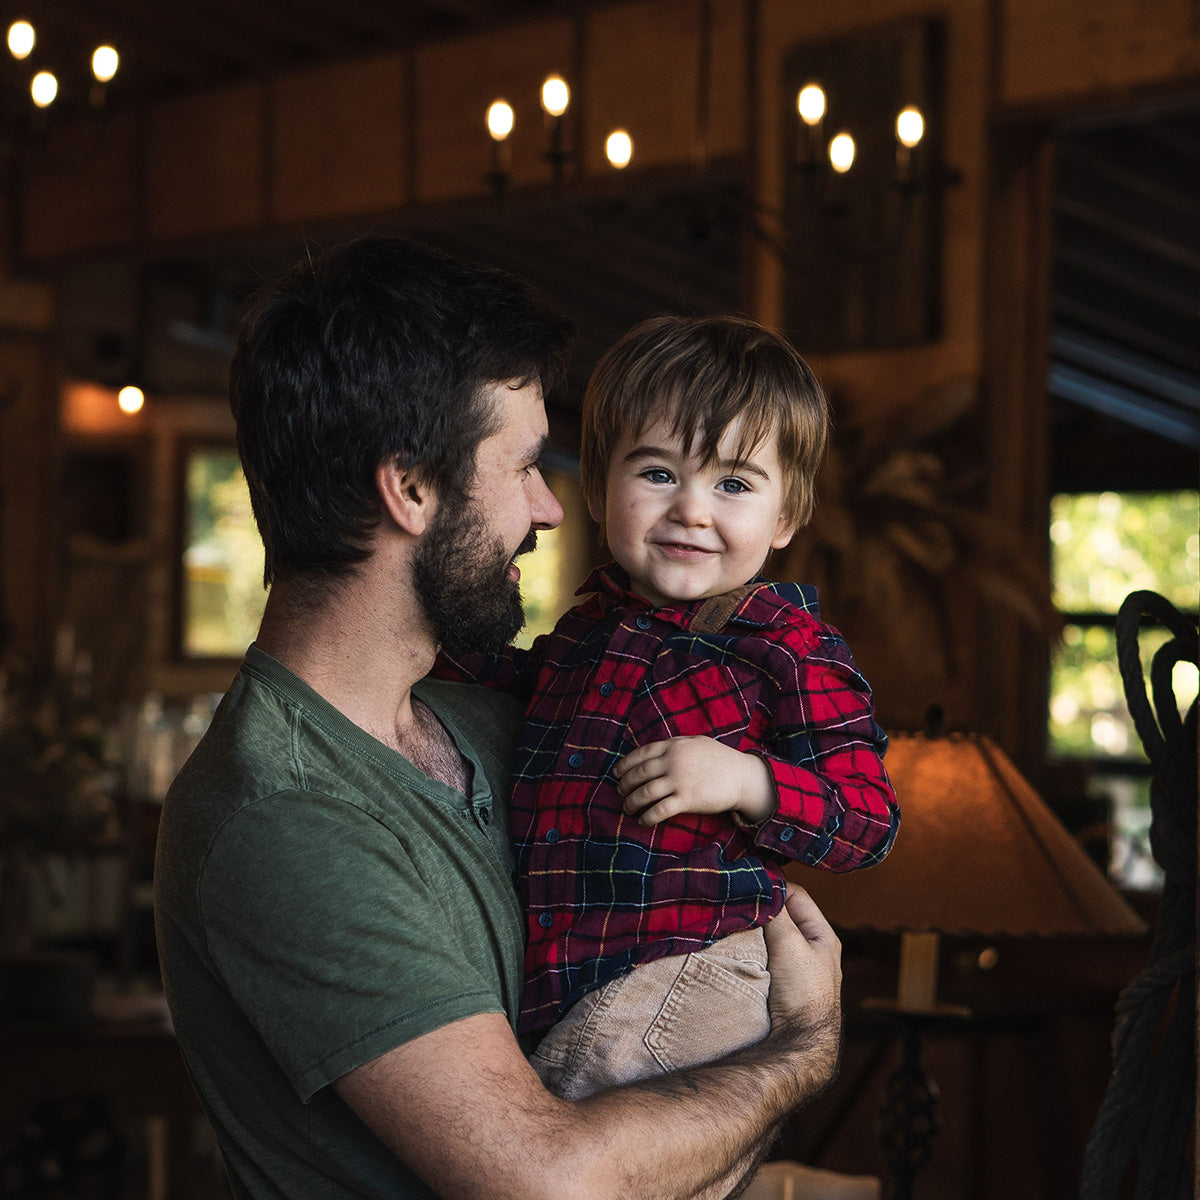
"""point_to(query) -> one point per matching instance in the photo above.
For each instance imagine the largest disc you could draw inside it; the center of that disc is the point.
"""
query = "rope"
(1149, 1107)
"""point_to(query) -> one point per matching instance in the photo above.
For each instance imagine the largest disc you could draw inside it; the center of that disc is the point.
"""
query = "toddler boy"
(689, 725)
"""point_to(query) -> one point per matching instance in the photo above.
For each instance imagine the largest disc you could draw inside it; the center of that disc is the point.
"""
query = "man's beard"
(460, 574)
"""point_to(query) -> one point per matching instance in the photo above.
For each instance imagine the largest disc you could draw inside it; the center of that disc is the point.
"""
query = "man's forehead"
(519, 413)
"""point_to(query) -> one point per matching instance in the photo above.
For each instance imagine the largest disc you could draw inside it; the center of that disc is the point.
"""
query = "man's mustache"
(530, 543)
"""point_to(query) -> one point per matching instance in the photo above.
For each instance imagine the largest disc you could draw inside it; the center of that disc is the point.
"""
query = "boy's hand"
(694, 775)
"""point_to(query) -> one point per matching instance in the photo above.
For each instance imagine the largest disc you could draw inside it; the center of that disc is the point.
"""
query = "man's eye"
(657, 475)
(733, 487)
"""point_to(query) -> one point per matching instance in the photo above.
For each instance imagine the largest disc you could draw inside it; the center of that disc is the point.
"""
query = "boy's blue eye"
(734, 487)
(657, 475)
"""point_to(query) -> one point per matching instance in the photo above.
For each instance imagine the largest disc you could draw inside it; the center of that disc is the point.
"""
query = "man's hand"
(804, 957)
(694, 775)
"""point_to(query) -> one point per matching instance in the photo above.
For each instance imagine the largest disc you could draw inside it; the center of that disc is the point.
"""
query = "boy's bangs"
(700, 419)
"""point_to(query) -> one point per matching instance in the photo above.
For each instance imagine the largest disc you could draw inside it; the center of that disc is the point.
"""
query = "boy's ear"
(785, 530)
(407, 496)
(596, 510)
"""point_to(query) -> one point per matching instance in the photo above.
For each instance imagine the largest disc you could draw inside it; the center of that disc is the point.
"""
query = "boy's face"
(684, 530)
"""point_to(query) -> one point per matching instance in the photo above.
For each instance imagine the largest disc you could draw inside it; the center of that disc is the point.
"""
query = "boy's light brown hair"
(701, 374)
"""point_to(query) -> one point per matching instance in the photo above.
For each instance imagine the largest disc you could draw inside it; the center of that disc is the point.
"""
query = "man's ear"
(407, 496)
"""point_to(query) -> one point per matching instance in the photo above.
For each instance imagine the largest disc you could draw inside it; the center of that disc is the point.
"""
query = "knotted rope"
(1149, 1107)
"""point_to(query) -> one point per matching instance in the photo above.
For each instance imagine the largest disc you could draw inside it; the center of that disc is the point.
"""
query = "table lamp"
(978, 852)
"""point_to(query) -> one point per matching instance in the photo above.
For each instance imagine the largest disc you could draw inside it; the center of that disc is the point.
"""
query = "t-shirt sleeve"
(328, 938)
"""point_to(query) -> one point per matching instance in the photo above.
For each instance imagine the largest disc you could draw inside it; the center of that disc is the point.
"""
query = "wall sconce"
(131, 399)
(863, 209)
(500, 122)
(618, 149)
(43, 87)
(556, 97)
(105, 61)
(21, 40)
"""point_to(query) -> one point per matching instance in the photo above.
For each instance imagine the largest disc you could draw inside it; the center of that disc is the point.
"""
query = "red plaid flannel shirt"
(603, 893)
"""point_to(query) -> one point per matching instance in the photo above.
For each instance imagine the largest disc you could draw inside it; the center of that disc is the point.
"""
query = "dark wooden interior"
(1058, 282)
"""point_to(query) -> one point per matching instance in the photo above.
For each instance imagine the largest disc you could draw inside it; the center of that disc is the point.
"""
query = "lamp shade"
(978, 852)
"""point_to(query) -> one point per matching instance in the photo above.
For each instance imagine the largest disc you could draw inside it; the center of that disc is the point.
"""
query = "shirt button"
(545, 920)
(644, 622)
(576, 760)
(606, 689)
(786, 833)
(552, 835)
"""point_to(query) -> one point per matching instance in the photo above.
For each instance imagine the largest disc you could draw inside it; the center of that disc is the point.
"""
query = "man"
(339, 935)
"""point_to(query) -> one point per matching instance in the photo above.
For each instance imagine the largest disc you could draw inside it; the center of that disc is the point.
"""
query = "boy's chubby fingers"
(639, 766)
(647, 794)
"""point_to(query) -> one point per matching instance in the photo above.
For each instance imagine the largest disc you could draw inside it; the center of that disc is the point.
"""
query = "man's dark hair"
(376, 351)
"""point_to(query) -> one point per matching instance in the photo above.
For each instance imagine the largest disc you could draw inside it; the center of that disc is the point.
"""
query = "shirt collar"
(610, 585)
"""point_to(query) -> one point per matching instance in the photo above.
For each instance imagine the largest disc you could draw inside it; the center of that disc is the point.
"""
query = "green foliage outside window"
(1104, 546)
(223, 594)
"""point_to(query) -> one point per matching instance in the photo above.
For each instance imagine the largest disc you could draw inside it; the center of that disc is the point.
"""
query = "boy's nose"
(691, 509)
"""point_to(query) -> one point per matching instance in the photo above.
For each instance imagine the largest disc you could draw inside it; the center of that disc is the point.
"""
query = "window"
(221, 591)
(1105, 545)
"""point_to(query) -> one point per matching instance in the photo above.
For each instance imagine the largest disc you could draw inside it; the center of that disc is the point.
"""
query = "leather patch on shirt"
(716, 610)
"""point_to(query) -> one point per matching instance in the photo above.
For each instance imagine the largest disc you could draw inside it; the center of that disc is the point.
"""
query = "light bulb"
(910, 127)
(43, 88)
(810, 104)
(21, 39)
(841, 153)
(105, 61)
(130, 399)
(500, 120)
(555, 95)
(619, 148)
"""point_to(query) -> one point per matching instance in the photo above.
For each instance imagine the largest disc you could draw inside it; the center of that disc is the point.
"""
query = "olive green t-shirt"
(319, 901)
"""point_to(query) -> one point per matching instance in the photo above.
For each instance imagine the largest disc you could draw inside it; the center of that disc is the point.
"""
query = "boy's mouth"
(684, 549)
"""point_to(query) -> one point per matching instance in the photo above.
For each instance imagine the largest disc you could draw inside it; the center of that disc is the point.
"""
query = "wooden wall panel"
(80, 190)
(1077, 49)
(29, 471)
(727, 103)
(205, 164)
(458, 80)
(339, 140)
(784, 26)
(643, 70)
(864, 385)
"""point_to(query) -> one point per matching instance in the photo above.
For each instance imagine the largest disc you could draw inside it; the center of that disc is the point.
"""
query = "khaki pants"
(662, 1016)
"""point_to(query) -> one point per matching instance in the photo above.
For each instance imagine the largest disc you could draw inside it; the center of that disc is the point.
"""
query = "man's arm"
(463, 1108)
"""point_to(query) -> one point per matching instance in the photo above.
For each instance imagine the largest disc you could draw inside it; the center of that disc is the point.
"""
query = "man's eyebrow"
(537, 449)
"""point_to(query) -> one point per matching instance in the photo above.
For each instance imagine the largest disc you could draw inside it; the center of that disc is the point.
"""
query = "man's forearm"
(717, 1121)
(464, 1109)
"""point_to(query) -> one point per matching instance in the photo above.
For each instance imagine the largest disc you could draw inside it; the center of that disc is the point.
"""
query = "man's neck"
(362, 650)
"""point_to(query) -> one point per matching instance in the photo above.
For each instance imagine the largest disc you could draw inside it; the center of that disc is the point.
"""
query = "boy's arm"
(818, 793)
(836, 807)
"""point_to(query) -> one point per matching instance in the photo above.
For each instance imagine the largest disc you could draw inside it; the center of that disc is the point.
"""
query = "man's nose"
(547, 512)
